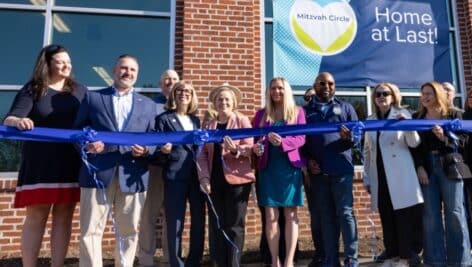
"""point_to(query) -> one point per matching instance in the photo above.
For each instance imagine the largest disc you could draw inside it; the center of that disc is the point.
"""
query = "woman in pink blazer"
(225, 173)
(280, 182)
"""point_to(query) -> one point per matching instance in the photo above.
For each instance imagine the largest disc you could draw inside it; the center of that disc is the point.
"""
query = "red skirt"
(36, 194)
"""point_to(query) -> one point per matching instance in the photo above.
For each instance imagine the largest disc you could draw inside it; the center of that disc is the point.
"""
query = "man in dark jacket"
(330, 164)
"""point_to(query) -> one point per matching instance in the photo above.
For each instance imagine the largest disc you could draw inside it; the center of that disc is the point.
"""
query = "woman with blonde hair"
(448, 244)
(180, 176)
(280, 182)
(226, 174)
(390, 176)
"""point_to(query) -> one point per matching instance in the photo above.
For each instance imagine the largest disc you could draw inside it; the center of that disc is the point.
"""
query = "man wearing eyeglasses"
(331, 170)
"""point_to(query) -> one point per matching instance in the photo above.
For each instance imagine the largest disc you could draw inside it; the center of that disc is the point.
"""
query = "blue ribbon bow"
(451, 127)
(357, 132)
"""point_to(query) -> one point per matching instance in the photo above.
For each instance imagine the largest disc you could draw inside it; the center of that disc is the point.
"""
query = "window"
(20, 44)
(10, 150)
(94, 32)
(95, 41)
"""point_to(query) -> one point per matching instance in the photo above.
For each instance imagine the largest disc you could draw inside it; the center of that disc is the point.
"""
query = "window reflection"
(38, 2)
(147, 5)
(20, 44)
(269, 50)
(95, 41)
(10, 150)
(268, 9)
(410, 103)
(359, 103)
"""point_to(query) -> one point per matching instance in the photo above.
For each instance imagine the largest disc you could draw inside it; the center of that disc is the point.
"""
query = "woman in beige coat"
(390, 176)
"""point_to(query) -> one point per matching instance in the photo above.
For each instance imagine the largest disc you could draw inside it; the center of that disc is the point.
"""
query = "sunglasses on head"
(384, 94)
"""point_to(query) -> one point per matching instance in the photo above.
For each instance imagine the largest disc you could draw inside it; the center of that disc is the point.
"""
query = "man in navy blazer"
(121, 175)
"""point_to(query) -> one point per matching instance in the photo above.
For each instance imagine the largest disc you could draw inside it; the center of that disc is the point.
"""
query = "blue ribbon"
(200, 137)
(86, 136)
(357, 132)
(453, 126)
(216, 136)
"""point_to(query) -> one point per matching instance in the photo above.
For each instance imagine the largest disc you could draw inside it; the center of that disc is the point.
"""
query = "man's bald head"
(325, 86)
(168, 79)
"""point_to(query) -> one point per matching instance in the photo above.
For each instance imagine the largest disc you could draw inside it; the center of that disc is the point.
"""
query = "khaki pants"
(94, 212)
(152, 207)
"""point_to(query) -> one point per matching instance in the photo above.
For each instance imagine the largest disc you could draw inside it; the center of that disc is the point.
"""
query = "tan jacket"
(237, 168)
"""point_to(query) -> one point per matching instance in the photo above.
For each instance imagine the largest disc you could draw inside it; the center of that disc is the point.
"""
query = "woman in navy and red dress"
(47, 180)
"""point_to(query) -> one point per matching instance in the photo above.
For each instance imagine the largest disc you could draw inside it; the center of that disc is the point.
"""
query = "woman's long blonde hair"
(290, 108)
(441, 98)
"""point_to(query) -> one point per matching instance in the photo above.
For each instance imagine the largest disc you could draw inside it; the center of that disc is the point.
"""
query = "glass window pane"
(458, 102)
(359, 103)
(10, 150)
(147, 5)
(269, 52)
(268, 10)
(20, 44)
(454, 69)
(299, 100)
(95, 41)
(410, 102)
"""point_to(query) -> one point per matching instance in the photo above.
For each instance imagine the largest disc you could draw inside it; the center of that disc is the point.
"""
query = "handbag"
(455, 167)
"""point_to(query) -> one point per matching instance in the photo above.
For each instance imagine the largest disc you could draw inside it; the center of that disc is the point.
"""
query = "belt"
(434, 152)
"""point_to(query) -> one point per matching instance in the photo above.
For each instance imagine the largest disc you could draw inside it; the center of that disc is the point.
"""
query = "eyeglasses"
(326, 83)
(384, 94)
(183, 91)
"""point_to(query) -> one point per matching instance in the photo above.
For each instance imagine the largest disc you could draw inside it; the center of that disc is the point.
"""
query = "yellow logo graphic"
(326, 29)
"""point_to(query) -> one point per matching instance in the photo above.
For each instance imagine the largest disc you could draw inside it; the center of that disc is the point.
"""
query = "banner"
(362, 42)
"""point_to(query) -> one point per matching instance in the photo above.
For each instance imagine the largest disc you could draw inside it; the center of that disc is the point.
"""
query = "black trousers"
(176, 194)
(230, 203)
(400, 227)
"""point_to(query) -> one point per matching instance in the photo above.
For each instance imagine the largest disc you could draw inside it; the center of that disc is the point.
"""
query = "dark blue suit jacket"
(180, 163)
(97, 112)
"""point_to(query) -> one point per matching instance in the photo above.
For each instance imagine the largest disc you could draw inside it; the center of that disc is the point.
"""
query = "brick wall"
(464, 14)
(11, 221)
(221, 43)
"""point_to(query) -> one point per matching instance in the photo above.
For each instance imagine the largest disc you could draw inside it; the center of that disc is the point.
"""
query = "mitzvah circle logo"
(324, 27)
